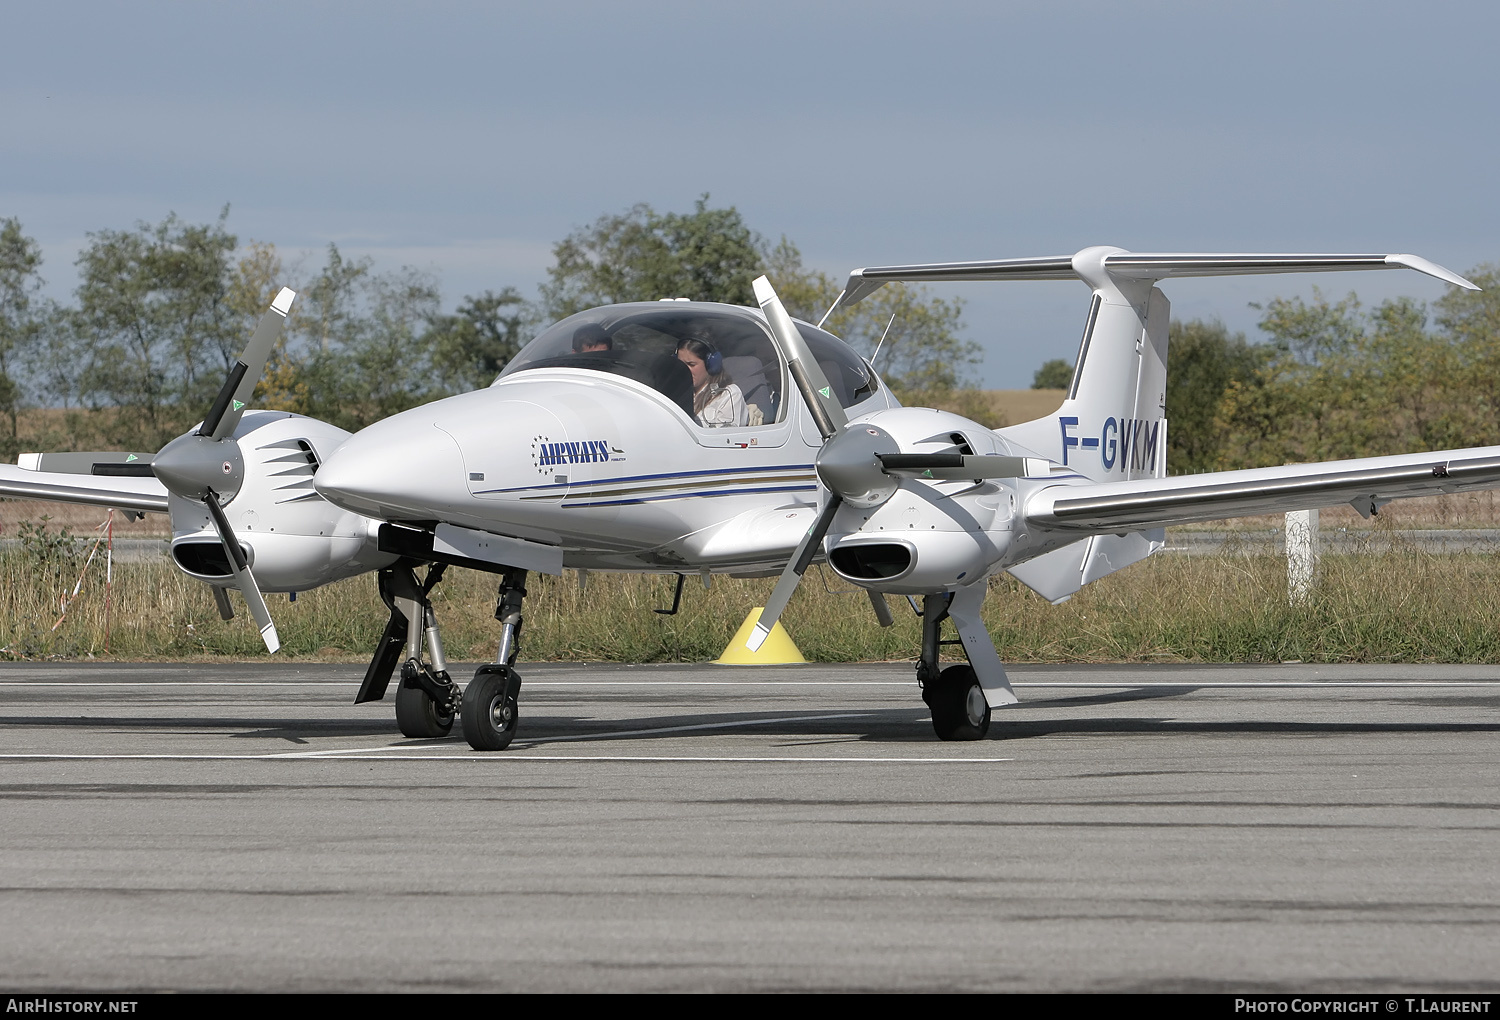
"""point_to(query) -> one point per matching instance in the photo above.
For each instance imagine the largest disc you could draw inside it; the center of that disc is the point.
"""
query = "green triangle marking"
(238, 404)
(130, 458)
(927, 473)
(825, 390)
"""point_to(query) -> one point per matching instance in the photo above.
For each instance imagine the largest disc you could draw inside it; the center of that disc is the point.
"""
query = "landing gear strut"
(489, 703)
(426, 698)
(959, 708)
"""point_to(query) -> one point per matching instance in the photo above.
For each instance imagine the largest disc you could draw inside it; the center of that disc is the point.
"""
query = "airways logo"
(1129, 444)
(587, 452)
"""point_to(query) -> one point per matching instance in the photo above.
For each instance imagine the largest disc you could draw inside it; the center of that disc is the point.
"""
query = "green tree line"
(162, 310)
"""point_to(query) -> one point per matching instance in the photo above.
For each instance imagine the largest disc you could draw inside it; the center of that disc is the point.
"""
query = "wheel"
(416, 713)
(489, 709)
(959, 711)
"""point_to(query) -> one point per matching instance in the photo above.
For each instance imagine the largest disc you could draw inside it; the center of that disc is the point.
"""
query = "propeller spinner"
(207, 467)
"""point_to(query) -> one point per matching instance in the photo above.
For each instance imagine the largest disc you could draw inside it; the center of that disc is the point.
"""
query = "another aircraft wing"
(141, 494)
(1367, 484)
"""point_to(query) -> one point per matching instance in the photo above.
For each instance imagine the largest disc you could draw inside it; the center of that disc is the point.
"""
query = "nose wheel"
(489, 708)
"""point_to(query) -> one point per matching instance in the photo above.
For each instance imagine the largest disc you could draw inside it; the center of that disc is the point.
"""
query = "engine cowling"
(928, 535)
(293, 537)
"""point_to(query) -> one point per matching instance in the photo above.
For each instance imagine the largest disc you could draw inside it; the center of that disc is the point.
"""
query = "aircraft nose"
(394, 470)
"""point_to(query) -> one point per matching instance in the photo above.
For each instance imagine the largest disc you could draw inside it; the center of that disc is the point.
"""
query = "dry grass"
(1404, 606)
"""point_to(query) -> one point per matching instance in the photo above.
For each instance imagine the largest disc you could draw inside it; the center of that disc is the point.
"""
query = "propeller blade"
(243, 579)
(813, 384)
(782, 594)
(955, 466)
(229, 405)
(877, 603)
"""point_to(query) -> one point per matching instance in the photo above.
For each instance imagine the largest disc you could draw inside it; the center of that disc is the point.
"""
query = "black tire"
(959, 710)
(417, 714)
(489, 711)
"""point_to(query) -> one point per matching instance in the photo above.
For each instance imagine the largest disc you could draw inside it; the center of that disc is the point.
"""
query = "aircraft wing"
(1367, 484)
(141, 494)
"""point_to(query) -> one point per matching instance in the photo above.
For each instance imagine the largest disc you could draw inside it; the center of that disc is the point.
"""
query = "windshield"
(639, 341)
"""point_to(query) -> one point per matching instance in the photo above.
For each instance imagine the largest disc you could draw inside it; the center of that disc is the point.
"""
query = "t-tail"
(1113, 423)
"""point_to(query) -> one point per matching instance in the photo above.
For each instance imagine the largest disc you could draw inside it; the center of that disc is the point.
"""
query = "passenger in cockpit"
(591, 337)
(717, 401)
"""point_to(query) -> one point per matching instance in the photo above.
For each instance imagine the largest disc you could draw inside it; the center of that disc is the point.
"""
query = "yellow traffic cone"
(778, 649)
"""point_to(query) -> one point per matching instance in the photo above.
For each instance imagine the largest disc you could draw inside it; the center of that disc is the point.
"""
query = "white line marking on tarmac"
(610, 734)
(505, 756)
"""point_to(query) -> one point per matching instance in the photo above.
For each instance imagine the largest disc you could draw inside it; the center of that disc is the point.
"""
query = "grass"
(1406, 606)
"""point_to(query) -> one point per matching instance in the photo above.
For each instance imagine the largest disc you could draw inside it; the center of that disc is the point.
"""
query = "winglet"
(1422, 265)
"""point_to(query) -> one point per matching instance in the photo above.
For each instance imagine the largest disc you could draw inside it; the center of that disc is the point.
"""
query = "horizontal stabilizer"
(1133, 266)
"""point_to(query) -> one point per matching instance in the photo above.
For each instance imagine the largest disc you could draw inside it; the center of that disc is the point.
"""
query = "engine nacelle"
(915, 543)
(294, 538)
(929, 535)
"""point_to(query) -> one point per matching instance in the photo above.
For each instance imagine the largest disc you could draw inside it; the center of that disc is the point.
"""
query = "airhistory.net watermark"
(44, 1004)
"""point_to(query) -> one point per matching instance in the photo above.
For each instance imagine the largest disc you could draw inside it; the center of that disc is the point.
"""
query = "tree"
(20, 318)
(1056, 374)
(153, 334)
(643, 255)
(1470, 320)
(355, 349)
(1339, 382)
(1203, 361)
(472, 346)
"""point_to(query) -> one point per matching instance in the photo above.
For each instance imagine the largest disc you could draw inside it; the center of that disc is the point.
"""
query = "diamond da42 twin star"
(588, 452)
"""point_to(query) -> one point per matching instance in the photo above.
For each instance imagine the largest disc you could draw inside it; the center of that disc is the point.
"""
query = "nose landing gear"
(489, 705)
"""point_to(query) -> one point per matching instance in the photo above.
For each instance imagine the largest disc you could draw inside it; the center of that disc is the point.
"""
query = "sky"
(467, 138)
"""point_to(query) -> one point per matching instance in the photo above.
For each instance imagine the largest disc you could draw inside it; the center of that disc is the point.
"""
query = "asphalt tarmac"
(1160, 828)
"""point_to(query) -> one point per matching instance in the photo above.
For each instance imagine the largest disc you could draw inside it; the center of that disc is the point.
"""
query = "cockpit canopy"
(639, 341)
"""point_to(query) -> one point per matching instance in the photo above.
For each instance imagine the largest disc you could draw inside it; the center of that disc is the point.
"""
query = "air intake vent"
(871, 561)
(202, 559)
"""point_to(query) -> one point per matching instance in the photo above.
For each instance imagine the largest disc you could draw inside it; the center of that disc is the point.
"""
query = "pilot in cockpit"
(590, 338)
(717, 401)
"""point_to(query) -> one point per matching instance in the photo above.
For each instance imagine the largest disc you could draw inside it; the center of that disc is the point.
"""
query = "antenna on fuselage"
(888, 326)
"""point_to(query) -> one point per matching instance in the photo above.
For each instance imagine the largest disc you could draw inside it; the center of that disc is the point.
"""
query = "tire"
(417, 714)
(959, 710)
(489, 710)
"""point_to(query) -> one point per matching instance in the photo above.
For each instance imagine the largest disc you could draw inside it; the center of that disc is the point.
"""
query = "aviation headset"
(713, 361)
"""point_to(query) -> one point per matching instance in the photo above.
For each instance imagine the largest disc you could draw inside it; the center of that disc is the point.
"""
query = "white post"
(1301, 555)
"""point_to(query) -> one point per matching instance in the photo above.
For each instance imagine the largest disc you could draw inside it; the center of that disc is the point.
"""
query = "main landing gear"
(960, 710)
(427, 699)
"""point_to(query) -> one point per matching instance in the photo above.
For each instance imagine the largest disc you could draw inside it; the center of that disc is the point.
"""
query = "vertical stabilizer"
(1112, 425)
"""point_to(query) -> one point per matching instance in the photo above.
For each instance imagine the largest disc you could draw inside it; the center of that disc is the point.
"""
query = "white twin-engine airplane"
(586, 453)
